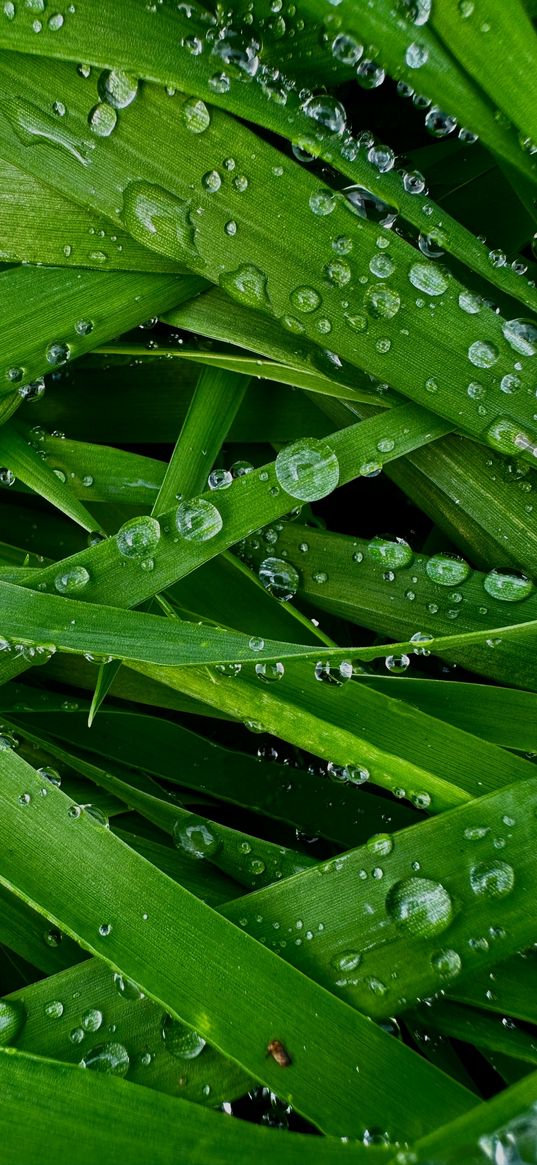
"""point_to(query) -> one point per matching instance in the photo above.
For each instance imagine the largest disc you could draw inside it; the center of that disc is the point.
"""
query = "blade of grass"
(146, 950)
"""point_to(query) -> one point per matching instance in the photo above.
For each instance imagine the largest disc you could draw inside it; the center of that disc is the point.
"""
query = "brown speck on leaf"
(278, 1053)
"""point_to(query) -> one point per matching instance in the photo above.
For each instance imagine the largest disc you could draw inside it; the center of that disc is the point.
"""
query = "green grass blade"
(39, 301)
(123, 1118)
(401, 593)
(214, 405)
(36, 220)
(17, 454)
(146, 949)
(420, 360)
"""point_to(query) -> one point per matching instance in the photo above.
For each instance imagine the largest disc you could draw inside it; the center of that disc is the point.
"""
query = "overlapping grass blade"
(146, 948)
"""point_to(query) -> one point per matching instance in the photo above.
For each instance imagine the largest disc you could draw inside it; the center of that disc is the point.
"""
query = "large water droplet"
(428, 278)
(248, 285)
(12, 1020)
(448, 570)
(159, 220)
(447, 963)
(118, 89)
(182, 1041)
(483, 354)
(139, 537)
(102, 119)
(420, 907)
(198, 520)
(389, 554)
(347, 960)
(127, 988)
(113, 1059)
(308, 469)
(196, 116)
(72, 581)
(195, 837)
(279, 577)
(521, 335)
(367, 205)
(382, 302)
(507, 585)
(305, 299)
(322, 202)
(494, 879)
(326, 111)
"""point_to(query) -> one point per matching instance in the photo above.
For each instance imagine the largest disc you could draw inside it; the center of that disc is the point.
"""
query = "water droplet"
(448, 570)
(416, 55)
(326, 111)
(382, 302)
(521, 335)
(102, 119)
(346, 49)
(420, 907)
(92, 1019)
(116, 88)
(394, 555)
(322, 202)
(32, 391)
(105, 929)
(381, 844)
(382, 266)
(367, 205)
(211, 181)
(397, 664)
(308, 469)
(279, 578)
(50, 774)
(57, 353)
(509, 586)
(438, 123)
(83, 327)
(55, 22)
(198, 520)
(127, 988)
(12, 1020)
(338, 272)
(195, 837)
(113, 1059)
(159, 219)
(139, 537)
(494, 879)
(182, 1041)
(346, 961)
(446, 963)
(370, 75)
(428, 278)
(54, 1009)
(247, 285)
(305, 299)
(483, 354)
(72, 581)
(268, 672)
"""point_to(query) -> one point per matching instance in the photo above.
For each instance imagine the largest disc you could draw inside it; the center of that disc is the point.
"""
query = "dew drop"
(72, 581)
(112, 1059)
(183, 1042)
(198, 520)
(509, 586)
(420, 907)
(307, 470)
(492, 879)
(448, 570)
(139, 537)
(116, 88)
(195, 837)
